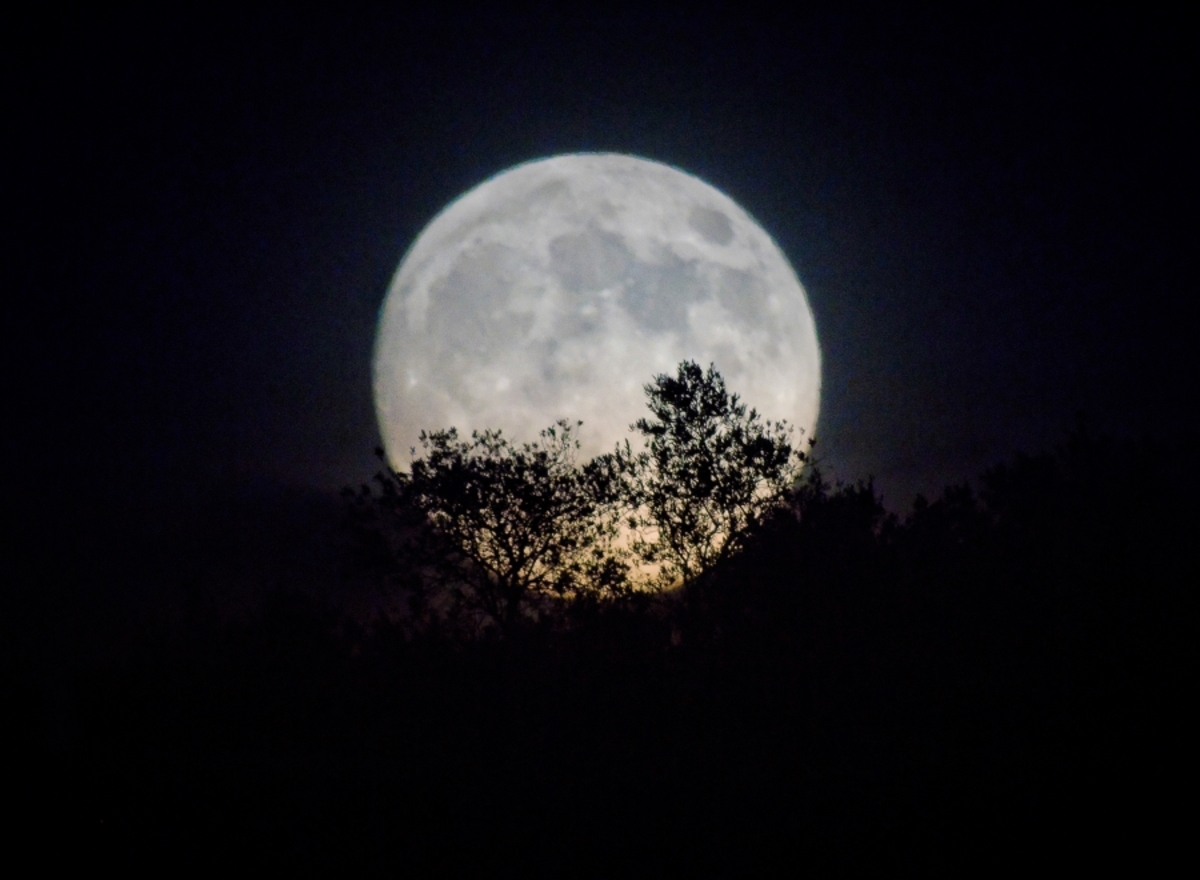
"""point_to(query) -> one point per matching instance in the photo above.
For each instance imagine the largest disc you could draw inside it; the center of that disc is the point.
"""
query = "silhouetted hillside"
(1007, 666)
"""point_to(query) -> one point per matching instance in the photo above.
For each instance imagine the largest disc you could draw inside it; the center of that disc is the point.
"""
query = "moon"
(559, 288)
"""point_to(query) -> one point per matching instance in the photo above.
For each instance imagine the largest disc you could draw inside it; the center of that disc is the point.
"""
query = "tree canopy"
(498, 532)
(712, 470)
(509, 526)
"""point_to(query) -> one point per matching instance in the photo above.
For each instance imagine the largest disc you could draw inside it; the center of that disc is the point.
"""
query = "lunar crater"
(713, 225)
(589, 261)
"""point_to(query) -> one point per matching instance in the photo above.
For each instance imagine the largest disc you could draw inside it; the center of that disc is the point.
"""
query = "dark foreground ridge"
(1003, 671)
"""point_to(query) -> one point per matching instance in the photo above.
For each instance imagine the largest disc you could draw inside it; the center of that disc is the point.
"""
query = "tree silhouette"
(505, 528)
(712, 471)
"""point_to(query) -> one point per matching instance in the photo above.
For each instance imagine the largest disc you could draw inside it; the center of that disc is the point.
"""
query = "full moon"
(559, 288)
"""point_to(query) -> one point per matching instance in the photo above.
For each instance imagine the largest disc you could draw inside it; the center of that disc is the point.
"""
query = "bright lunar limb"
(559, 288)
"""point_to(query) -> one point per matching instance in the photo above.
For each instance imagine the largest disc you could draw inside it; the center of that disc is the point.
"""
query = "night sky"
(990, 216)
(206, 651)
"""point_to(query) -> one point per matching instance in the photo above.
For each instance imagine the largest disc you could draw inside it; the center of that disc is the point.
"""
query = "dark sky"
(991, 217)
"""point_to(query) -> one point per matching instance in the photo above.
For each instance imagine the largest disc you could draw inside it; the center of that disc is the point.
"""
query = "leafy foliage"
(712, 471)
(492, 534)
(508, 528)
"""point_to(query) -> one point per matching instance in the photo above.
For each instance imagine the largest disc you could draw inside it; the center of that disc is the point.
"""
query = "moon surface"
(559, 288)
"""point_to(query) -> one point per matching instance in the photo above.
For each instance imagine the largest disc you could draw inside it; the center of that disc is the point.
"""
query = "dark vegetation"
(1005, 670)
(484, 537)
